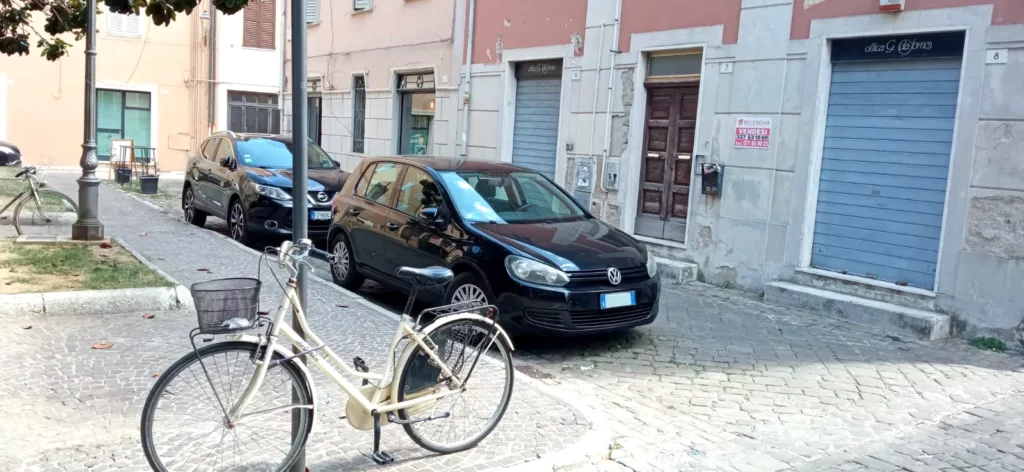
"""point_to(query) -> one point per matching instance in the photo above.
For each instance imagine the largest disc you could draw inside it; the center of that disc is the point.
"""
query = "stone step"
(676, 272)
(872, 313)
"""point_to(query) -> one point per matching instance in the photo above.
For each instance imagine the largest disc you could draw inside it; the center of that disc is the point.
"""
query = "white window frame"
(123, 21)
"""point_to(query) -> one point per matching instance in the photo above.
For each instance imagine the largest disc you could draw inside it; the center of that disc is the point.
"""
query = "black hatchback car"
(512, 237)
(246, 179)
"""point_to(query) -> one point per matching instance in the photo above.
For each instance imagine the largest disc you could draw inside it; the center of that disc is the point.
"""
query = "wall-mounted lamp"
(205, 17)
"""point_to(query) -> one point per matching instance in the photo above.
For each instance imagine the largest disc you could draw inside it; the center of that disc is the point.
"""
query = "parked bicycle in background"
(37, 209)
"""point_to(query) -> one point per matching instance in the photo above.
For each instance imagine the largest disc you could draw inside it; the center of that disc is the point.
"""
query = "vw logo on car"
(614, 276)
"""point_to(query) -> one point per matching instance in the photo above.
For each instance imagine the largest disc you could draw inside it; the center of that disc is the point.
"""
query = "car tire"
(468, 286)
(238, 222)
(193, 215)
(343, 269)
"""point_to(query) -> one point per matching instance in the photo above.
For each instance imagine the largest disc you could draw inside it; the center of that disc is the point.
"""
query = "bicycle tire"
(179, 366)
(53, 195)
(404, 377)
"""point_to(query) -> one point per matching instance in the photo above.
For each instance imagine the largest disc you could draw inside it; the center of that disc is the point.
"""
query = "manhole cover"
(533, 372)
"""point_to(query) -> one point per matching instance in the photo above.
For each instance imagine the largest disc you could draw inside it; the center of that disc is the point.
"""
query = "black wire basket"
(226, 306)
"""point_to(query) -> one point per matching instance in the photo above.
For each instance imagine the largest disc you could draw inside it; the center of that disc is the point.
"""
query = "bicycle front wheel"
(479, 357)
(184, 424)
(52, 214)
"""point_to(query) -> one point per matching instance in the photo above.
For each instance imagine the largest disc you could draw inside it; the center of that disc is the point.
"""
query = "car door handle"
(391, 226)
(355, 211)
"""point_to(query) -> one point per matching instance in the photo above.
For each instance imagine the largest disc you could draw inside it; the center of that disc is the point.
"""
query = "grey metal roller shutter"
(535, 135)
(888, 140)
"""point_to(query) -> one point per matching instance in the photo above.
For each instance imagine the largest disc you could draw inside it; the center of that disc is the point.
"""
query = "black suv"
(512, 237)
(246, 179)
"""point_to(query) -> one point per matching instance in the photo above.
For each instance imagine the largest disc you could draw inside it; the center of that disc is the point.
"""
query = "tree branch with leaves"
(67, 19)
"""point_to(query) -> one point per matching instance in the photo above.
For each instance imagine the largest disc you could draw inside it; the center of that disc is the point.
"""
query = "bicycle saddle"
(427, 276)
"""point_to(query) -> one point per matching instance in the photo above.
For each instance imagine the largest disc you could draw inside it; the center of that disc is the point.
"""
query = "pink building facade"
(814, 150)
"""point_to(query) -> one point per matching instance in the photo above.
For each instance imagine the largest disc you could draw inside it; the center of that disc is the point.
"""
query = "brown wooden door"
(667, 161)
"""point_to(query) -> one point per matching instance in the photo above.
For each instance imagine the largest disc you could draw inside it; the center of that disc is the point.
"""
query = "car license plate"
(319, 215)
(618, 299)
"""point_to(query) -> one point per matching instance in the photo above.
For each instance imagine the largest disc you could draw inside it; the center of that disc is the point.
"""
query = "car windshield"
(271, 153)
(509, 197)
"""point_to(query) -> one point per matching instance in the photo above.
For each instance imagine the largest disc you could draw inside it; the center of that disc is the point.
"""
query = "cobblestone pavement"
(724, 382)
(68, 407)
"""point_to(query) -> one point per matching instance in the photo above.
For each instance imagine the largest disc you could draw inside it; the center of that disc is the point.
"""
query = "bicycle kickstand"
(379, 456)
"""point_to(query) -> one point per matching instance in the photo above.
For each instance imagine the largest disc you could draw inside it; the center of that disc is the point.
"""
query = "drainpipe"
(597, 90)
(611, 89)
(469, 78)
(284, 67)
(212, 87)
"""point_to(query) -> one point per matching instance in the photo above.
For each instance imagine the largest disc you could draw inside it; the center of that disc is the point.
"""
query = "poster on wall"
(753, 133)
(584, 182)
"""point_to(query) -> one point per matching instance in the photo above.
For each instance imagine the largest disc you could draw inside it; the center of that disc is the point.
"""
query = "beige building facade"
(382, 77)
(150, 89)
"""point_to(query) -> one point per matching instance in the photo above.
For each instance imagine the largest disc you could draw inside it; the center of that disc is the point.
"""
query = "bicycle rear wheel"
(183, 422)
(478, 356)
(51, 215)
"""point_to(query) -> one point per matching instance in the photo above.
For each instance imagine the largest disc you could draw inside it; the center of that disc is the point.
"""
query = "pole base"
(87, 232)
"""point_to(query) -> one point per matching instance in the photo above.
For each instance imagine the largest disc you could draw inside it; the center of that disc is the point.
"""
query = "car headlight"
(271, 192)
(529, 270)
(652, 265)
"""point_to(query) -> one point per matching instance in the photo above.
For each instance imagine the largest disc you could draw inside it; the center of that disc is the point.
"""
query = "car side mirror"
(431, 215)
(225, 161)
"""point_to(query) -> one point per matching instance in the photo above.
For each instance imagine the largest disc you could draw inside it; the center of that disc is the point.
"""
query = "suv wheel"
(343, 269)
(188, 205)
(237, 222)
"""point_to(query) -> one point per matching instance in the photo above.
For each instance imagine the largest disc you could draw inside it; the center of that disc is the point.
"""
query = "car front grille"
(600, 277)
(600, 319)
(590, 319)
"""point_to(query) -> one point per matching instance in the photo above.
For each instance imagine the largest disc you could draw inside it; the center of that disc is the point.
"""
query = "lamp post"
(88, 226)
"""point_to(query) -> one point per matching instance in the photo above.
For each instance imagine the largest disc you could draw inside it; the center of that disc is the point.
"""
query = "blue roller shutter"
(535, 135)
(881, 197)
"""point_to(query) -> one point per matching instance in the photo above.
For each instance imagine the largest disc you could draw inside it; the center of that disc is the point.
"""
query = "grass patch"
(162, 195)
(9, 188)
(988, 344)
(72, 267)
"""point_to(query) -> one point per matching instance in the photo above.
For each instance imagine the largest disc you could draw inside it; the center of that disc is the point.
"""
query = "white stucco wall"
(245, 69)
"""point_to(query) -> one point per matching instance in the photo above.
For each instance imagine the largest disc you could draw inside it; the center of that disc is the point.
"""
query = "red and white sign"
(753, 133)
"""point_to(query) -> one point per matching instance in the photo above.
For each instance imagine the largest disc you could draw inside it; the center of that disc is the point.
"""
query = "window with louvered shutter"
(312, 11)
(129, 26)
(258, 21)
(361, 5)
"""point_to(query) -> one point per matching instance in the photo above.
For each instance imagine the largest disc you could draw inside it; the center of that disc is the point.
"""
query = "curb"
(98, 302)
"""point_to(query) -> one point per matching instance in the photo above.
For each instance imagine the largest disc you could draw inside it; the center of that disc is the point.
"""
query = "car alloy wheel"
(190, 205)
(469, 293)
(340, 266)
(237, 222)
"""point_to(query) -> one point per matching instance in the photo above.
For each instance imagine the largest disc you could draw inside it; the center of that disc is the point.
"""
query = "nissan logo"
(321, 197)
(614, 276)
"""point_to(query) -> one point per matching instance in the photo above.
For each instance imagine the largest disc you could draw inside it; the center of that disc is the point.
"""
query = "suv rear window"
(382, 182)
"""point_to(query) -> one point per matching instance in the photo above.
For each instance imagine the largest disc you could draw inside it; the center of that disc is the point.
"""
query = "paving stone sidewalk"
(724, 382)
(67, 407)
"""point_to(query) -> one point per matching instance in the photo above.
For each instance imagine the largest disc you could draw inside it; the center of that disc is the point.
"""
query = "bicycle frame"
(33, 185)
(331, 363)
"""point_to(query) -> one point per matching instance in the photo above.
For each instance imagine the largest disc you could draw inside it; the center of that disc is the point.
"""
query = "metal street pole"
(88, 226)
(300, 146)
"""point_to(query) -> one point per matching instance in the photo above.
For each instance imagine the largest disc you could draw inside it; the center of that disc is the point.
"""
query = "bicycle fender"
(285, 352)
(470, 316)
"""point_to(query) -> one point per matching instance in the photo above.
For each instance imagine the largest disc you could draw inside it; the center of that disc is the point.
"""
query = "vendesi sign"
(753, 133)
(904, 46)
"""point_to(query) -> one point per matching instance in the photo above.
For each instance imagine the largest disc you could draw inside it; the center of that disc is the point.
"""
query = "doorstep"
(916, 322)
(676, 272)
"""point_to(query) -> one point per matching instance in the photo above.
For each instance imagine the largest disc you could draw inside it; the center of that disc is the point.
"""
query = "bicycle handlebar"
(27, 170)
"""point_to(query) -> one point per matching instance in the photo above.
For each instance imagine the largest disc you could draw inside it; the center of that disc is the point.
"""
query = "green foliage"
(988, 344)
(67, 18)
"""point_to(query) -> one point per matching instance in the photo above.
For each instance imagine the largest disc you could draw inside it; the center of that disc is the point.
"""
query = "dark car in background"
(246, 179)
(10, 155)
(513, 238)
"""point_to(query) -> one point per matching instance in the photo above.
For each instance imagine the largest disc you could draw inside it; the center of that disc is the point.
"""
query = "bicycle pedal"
(383, 458)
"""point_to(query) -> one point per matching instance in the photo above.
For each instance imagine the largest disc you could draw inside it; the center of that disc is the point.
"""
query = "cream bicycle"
(230, 405)
(49, 212)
